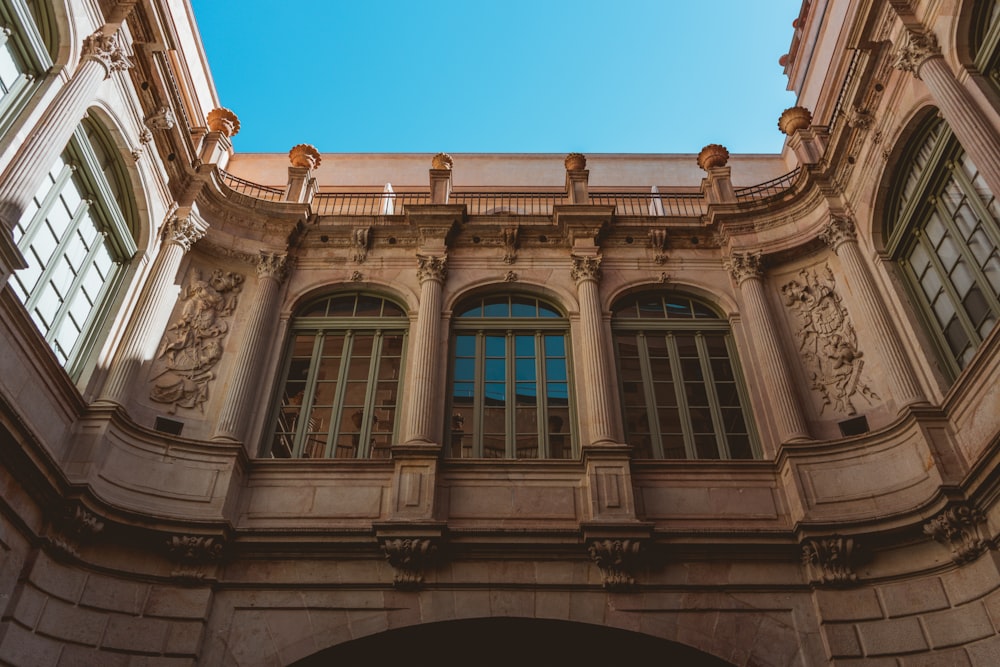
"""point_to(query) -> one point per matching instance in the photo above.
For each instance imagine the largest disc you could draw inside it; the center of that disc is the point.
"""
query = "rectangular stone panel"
(512, 501)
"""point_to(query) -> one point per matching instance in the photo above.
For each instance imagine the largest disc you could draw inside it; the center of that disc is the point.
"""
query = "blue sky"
(649, 76)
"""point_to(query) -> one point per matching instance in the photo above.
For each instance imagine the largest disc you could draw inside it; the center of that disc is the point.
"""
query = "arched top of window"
(653, 306)
(984, 29)
(926, 146)
(355, 305)
(506, 307)
(45, 24)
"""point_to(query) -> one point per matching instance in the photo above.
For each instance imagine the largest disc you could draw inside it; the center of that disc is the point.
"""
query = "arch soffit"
(711, 295)
(391, 291)
(561, 298)
(892, 170)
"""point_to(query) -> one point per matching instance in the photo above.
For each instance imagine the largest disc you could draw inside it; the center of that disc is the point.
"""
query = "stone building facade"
(727, 410)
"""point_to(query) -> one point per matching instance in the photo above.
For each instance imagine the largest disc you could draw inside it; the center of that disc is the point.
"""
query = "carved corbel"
(189, 552)
(962, 529)
(658, 242)
(617, 559)
(508, 236)
(162, 119)
(830, 560)
(360, 243)
(75, 526)
(410, 558)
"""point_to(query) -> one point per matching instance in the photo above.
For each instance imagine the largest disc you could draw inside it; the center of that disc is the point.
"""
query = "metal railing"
(656, 204)
(251, 189)
(367, 203)
(768, 189)
(509, 203)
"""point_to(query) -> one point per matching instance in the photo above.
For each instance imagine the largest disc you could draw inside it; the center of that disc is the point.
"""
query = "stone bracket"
(618, 551)
(190, 552)
(411, 549)
(830, 560)
(75, 526)
(962, 528)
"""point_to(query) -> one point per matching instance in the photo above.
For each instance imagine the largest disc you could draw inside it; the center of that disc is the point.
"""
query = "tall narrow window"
(76, 241)
(943, 230)
(26, 41)
(342, 379)
(681, 392)
(510, 381)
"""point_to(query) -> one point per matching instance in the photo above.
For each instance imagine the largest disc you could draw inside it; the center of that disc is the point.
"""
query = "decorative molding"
(360, 242)
(191, 551)
(918, 48)
(617, 560)
(508, 237)
(356, 276)
(192, 345)
(745, 265)
(145, 137)
(510, 277)
(830, 560)
(432, 267)
(586, 268)
(828, 342)
(839, 230)
(106, 50)
(77, 525)
(962, 528)
(182, 231)
(663, 278)
(410, 558)
(859, 119)
(162, 119)
(658, 242)
(272, 265)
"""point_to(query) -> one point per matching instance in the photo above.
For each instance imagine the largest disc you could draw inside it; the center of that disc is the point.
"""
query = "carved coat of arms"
(192, 345)
(827, 340)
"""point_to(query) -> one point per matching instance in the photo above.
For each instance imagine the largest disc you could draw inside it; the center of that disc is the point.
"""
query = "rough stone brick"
(183, 637)
(958, 626)
(21, 647)
(901, 635)
(29, 605)
(114, 594)
(914, 597)
(75, 624)
(141, 635)
(993, 608)
(176, 602)
(842, 640)
(985, 653)
(851, 605)
(56, 579)
(950, 658)
(973, 580)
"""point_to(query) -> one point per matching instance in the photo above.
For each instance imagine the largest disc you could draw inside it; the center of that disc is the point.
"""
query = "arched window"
(680, 385)
(341, 379)
(27, 41)
(76, 240)
(985, 39)
(943, 230)
(510, 380)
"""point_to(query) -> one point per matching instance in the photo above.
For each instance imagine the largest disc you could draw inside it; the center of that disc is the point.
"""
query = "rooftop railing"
(656, 204)
(509, 203)
(251, 189)
(768, 189)
(367, 203)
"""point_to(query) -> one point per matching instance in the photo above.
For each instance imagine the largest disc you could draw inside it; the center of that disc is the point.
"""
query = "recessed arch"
(564, 300)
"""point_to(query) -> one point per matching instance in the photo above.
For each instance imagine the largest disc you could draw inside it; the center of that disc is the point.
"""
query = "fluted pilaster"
(150, 318)
(596, 372)
(422, 416)
(746, 271)
(921, 56)
(840, 234)
(271, 272)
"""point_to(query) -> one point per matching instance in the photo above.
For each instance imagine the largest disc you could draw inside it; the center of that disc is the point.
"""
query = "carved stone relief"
(360, 242)
(192, 345)
(410, 557)
(830, 560)
(961, 528)
(74, 527)
(828, 342)
(189, 552)
(658, 242)
(617, 560)
(508, 236)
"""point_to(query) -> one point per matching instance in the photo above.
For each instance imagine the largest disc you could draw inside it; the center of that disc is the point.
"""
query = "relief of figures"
(192, 345)
(827, 341)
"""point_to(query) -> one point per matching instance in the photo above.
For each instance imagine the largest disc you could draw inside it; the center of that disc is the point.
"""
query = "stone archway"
(508, 642)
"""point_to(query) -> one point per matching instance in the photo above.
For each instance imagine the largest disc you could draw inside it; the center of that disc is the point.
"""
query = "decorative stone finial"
(304, 155)
(575, 162)
(713, 156)
(442, 161)
(794, 118)
(224, 121)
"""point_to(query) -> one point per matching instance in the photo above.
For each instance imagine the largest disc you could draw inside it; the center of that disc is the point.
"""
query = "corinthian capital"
(744, 266)
(918, 48)
(839, 230)
(105, 49)
(586, 268)
(272, 265)
(181, 231)
(432, 267)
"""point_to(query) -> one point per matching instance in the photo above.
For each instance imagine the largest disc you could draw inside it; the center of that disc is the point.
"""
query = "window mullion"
(963, 247)
(681, 394)
(479, 396)
(649, 394)
(399, 393)
(364, 438)
(302, 428)
(541, 397)
(74, 286)
(510, 396)
(741, 391)
(46, 275)
(713, 396)
(44, 207)
(338, 399)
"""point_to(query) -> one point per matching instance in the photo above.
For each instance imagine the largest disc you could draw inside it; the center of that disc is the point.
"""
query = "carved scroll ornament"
(830, 560)
(192, 345)
(828, 342)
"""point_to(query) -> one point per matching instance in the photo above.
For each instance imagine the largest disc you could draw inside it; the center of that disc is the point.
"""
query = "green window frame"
(510, 380)
(77, 242)
(985, 40)
(944, 234)
(341, 380)
(681, 385)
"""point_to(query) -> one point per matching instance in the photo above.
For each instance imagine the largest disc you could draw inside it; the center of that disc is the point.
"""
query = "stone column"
(840, 234)
(596, 373)
(423, 415)
(746, 271)
(243, 386)
(178, 234)
(101, 57)
(921, 55)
